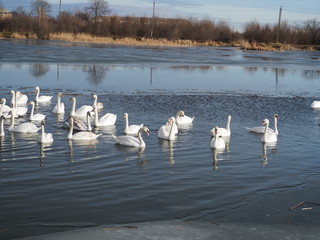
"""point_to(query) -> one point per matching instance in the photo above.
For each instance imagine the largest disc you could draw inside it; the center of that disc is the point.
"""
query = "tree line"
(97, 19)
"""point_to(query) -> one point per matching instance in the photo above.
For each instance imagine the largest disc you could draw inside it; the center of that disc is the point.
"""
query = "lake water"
(68, 184)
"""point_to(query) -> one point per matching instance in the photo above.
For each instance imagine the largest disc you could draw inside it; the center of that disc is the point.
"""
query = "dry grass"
(81, 37)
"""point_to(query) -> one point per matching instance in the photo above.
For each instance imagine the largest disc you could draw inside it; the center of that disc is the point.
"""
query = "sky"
(235, 12)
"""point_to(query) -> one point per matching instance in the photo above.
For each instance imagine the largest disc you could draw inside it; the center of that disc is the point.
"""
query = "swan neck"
(276, 125)
(96, 117)
(73, 107)
(42, 131)
(32, 110)
(12, 119)
(266, 128)
(171, 133)
(127, 122)
(142, 143)
(58, 103)
(88, 123)
(70, 129)
(1, 127)
(228, 124)
(37, 94)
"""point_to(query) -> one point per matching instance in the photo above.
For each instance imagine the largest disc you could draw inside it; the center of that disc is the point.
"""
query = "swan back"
(45, 137)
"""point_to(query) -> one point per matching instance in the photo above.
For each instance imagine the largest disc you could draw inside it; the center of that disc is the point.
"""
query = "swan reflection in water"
(82, 145)
(43, 148)
(133, 153)
(218, 154)
(265, 147)
(168, 147)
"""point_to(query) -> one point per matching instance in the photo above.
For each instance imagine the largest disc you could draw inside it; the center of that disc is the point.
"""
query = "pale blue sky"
(237, 13)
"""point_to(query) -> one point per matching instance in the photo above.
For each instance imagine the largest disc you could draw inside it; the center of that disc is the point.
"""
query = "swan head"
(180, 114)
(60, 94)
(36, 89)
(11, 92)
(94, 96)
(89, 113)
(146, 130)
(31, 102)
(125, 115)
(2, 100)
(276, 116)
(266, 121)
(72, 99)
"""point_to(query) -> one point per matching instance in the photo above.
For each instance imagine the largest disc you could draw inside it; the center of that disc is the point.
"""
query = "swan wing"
(315, 104)
(85, 136)
(259, 129)
(25, 128)
(128, 141)
(108, 119)
(83, 110)
(44, 98)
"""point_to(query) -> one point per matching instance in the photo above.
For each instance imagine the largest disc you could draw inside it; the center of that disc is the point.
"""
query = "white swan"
(268, 137)
(26, 127)
(45, 137)
(181, 118)
(21, 99)
(163, 132)
(315, 105)
(131, 129)
(4, 108)
(217, 142)
(98, 105)
(41, 98)
(1, 126)
(79, 125)
(224, 132)
(108, 119)
(261, 129)
(172, 124)
(80, 136)
(19, 110)
(18, 98)
(59, 107)
(35, 117)
(81, 111)
(131, 141)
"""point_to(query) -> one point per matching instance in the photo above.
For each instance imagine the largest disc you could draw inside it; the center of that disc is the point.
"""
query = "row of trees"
(96, 19)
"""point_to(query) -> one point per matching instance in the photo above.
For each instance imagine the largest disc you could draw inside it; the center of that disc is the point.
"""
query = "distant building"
(5, 14)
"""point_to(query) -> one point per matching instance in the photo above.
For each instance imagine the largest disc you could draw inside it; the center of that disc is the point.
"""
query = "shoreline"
(158, 42)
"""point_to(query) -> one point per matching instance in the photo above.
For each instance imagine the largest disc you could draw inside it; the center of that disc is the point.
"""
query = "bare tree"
(313, 28)
(97, 9)
(41, 8)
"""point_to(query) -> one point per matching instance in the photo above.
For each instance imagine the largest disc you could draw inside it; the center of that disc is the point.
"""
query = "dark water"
(68, 185)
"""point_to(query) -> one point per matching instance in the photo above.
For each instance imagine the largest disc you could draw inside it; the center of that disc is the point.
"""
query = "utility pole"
(280, 11)
(154, 6)
(59, 7)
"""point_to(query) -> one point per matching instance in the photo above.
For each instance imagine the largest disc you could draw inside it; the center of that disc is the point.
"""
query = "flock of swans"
(81, 130)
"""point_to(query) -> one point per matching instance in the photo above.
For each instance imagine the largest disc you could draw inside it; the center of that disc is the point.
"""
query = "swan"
(173, 124)
(35, 117)
(19, 111)
(59, 107)
(268, 137)
(4, 108)
(131, 129)
(79, 125)
(131, 141)
(261, 129)
(106, 120)
(217, 142)
(163, 132)
(45, 137)
(81, 111)
(98, 105)
(18, 99)
(21, 99)
(315, 105)
(1, 126)
(224, 132)
(80, 136)
(181, 118)
(42, 98)
(26, 127)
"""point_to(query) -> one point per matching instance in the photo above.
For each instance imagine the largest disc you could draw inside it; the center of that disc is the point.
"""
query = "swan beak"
(148, 133)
